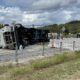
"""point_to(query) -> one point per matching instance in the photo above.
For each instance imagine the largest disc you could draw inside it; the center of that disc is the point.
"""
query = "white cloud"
(10, 14)
(52, 4)
(68, 15)
(29, 17)
(1, 18)
(35, 5)
(39, 11)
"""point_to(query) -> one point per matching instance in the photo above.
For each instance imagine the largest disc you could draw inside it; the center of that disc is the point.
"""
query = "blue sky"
(39, 12)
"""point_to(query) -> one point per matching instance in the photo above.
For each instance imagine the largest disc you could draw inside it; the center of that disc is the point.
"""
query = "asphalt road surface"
(29, 52)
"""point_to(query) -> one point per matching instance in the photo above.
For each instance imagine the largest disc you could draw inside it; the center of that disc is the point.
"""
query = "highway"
(29, 52)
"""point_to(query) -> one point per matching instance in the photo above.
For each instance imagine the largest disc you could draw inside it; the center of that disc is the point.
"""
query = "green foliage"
(22, 70)
(57, 59)
(77, 53)
(72, 27)
(51, 28)
(5, 68)
(49, 61)
(1, 26)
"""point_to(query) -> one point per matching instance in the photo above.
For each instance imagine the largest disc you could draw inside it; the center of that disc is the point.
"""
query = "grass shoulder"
(49, 68)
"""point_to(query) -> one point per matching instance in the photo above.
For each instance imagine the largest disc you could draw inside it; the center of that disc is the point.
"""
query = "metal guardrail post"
(16, 51)
(61, 46)
(73, 45)
(16, 55)
(43, 48)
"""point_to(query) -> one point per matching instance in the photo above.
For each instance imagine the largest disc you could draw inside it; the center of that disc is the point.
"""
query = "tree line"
(1, 26)
(70, 27)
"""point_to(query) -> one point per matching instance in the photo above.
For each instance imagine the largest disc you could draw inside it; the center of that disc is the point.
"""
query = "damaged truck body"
(10, 36)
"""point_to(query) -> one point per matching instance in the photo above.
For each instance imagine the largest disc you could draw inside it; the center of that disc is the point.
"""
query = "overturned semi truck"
(10, 36)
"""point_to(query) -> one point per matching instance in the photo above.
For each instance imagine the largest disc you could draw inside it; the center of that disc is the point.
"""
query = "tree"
(1, 26)
(72, 27)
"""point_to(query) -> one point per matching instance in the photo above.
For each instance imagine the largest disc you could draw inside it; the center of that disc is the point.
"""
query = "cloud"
(51, 4)
(23, 4)
(39, 11)
(10, 14)
(29, 18)
(40, 5)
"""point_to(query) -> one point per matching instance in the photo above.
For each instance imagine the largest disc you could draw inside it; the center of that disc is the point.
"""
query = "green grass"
(54, 60)
(62, 71)
(56, 72)
(57, 67)
(5, 68)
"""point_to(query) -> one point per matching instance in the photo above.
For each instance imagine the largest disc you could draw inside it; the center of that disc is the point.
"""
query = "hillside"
(72, 27)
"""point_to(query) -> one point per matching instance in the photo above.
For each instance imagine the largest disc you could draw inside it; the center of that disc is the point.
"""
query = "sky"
(39, 12)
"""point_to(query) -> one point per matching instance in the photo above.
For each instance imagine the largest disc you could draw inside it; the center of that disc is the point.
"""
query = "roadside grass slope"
(58, 67)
